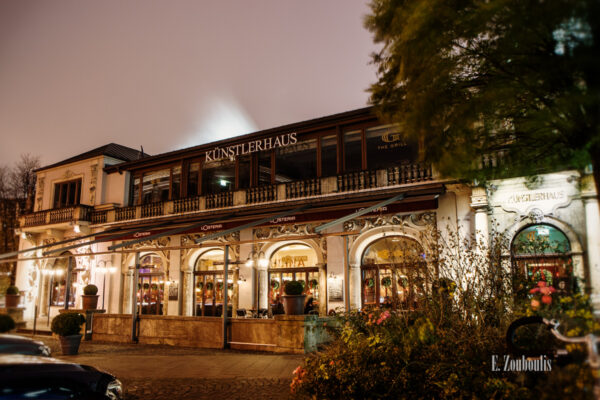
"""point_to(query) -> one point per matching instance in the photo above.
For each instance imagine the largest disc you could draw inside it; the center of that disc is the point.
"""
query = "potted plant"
(6, 323)
(12, 297)
(67, 326)
(293, 300)
(89, 298)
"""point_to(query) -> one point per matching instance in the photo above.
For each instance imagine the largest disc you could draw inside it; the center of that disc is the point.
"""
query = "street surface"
(164, 372)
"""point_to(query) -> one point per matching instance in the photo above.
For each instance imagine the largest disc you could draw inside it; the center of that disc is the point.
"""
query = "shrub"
(6, 323)
(444, 349)
(12, 290)
(293, 288)
(90, 290)
(67, 324)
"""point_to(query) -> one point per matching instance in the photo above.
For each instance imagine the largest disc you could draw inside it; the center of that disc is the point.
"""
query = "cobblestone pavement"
(164, 372)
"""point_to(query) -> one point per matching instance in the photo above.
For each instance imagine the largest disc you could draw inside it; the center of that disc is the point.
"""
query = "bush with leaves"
(6, 323)
(444, 349)
(67, 324)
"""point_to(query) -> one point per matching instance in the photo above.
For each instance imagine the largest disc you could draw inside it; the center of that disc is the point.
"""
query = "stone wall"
(282, 334)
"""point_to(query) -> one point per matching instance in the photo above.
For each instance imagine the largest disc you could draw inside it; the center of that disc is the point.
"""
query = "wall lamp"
(262, 260)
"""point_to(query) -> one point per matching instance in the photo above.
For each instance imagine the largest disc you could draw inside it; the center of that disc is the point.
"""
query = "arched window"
(543, 252)
(58, 282)
(296, 261)
(393, 272)
(209, 288)
(151, 285)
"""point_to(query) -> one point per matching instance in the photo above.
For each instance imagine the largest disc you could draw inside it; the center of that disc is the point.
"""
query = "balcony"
(409, 174)
(58, 216)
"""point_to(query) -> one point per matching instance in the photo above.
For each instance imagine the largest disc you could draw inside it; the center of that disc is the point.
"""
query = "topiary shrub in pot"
(12, 298)
(7, 324)
(293, 300)
(67, 326)
(89, 298)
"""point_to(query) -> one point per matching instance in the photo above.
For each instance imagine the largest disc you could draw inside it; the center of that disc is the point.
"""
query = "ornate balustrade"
(219, 200)
(125, 213)
(353, 181)
(305, 188)
(186, 205)
(261, 194)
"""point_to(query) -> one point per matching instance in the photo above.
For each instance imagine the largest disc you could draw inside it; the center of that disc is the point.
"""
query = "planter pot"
(70, 344)
(89, 302)
(12, 300)
(294, 305)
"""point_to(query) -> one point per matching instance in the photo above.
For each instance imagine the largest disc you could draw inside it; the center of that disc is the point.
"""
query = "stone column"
(263, 287)
(188, 293)
(479, 203)
(322, 288)
(128, 286)
(592, 230)
(355, 287)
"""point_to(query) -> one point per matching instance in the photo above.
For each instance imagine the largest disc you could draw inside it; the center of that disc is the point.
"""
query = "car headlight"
(114, 390)
(45, 350)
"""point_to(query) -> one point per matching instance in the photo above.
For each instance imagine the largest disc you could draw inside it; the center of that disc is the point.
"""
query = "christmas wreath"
(386, 282)
(219, 285)
(209, 285)
(369, 282)
(313, 283)
(274, 284)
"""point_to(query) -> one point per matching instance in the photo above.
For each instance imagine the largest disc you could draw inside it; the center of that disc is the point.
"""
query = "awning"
(14, 253)
(359, 213)
(169, 232)
(102, 239)
(250, 224)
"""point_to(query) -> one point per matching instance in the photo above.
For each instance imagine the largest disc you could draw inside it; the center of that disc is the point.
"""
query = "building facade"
(270, 193)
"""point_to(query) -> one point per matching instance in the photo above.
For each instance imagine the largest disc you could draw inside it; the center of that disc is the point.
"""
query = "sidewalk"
(164, 372)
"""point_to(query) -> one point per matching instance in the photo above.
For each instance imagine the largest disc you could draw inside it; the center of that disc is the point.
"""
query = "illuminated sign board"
(233, 151)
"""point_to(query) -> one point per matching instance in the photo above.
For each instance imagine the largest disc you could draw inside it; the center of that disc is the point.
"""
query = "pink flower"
(535, 303)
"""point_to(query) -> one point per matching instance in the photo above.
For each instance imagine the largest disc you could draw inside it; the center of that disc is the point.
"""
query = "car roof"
(22, 359)
(4, 338)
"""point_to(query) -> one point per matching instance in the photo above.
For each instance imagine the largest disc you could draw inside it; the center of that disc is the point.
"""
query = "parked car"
(35, 377)
(14, 344)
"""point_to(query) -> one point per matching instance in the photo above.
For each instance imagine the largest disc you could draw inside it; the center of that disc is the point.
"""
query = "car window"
(27, 349)
(44, 389)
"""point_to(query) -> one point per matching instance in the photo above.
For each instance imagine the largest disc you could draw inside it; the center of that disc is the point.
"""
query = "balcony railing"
(57, 216)
(408, 174)
(261, 194)
(305, 188)
(186, 205)
(125, 213)
(99, 217)
(152, 209)
(219, 200)
(357, 181)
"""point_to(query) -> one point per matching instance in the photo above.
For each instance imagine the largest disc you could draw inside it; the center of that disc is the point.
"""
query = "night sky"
(75, 75)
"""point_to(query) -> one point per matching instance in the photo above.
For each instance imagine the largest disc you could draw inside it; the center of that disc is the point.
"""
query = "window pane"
(244, 172)
(328, 156)
(156, 186)
(135, 191)
(218, 176)
(56, 195)
(296, 162)
(352, 151)
(192, 181)
(176, 184)
(264, 168)
(387, 148)
(63, 194)
(72, 190)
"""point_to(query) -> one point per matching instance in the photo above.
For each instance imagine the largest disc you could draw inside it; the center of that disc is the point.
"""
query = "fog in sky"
(75, 75)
